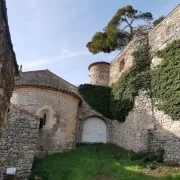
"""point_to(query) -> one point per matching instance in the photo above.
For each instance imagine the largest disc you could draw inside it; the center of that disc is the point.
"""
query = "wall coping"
(178, 6)
(127, 46)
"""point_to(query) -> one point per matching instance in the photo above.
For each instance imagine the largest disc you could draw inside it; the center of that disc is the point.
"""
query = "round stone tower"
(100, 73)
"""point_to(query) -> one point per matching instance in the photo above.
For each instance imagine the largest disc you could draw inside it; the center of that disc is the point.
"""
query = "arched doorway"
(94, 130)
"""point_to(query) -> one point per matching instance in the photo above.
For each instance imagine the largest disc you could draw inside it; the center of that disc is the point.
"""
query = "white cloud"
(39, 63)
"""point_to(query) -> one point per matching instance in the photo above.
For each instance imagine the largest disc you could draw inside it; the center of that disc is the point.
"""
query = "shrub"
(139, 155)
(155, 156)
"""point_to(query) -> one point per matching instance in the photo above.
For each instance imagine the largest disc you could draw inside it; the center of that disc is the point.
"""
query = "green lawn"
(98, 162)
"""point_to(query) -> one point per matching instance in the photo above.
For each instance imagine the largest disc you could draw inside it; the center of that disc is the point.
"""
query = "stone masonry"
(167, 131)
(146, 127)
(166, 136)
(61, 109)
(133, 133)
(99, 73)
(43, 94)
(8, 65)
(165, 32)
(127, 56)
(17, 144)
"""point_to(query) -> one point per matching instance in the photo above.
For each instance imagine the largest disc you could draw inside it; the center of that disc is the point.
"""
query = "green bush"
(155, 156)
(139, 155)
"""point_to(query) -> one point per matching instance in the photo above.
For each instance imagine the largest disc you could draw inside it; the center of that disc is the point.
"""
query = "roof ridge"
(60, 77)
(34, 71)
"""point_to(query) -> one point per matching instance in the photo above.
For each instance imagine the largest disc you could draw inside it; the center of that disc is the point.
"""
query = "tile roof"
(45, 78)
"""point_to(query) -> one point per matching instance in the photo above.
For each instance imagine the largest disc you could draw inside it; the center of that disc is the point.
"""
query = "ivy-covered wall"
(166, 81)
(162, 83)
(97, 97)
(124, 91)
(117, 101)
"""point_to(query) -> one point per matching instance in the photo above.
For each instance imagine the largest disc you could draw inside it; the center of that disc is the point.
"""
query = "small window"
(42, 122)
(121, 65)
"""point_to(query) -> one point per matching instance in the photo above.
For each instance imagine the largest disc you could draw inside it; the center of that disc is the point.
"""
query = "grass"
(98, 162)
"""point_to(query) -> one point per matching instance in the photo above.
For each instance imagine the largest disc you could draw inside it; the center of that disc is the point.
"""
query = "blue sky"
(52, 34)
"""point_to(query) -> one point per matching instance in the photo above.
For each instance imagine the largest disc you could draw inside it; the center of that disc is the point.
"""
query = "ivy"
(97, 97)
(124, 91)
(166, 80)
(162, 83)
(117, 101)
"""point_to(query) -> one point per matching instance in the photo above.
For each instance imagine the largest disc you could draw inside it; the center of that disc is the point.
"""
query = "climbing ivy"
(97, 97)
(124, 91)
(116, 102)
(165, 82)
(162, 83)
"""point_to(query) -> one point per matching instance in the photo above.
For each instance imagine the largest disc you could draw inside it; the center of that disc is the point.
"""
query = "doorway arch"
(94, 130)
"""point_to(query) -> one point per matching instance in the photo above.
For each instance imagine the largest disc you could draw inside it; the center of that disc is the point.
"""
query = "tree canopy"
(157, 21)
(120, 30)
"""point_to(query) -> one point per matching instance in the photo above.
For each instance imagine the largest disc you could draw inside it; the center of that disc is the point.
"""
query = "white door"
(94, 130)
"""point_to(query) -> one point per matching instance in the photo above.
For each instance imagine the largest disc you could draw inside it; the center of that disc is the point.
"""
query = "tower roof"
(96, 63)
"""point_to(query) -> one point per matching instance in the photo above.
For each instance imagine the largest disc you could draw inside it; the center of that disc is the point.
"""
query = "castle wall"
(165, 32)
(99, 74)
(58, 134)
(166, 136)
(146, 127)
(17, 144)
(133, 133)
(126, 55)
(7, 62)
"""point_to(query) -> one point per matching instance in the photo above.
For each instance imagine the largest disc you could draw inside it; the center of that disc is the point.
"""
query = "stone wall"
(127, 56)
(99, 73)
(133, 133)
(166, 136)
(165, 32)
(17, 144)
(58, 134)
(7, 62)
(147, 128)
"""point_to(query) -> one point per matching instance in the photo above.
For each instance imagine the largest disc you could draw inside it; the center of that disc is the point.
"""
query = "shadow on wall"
(46, 130)
(149, 129)
(166, 135)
